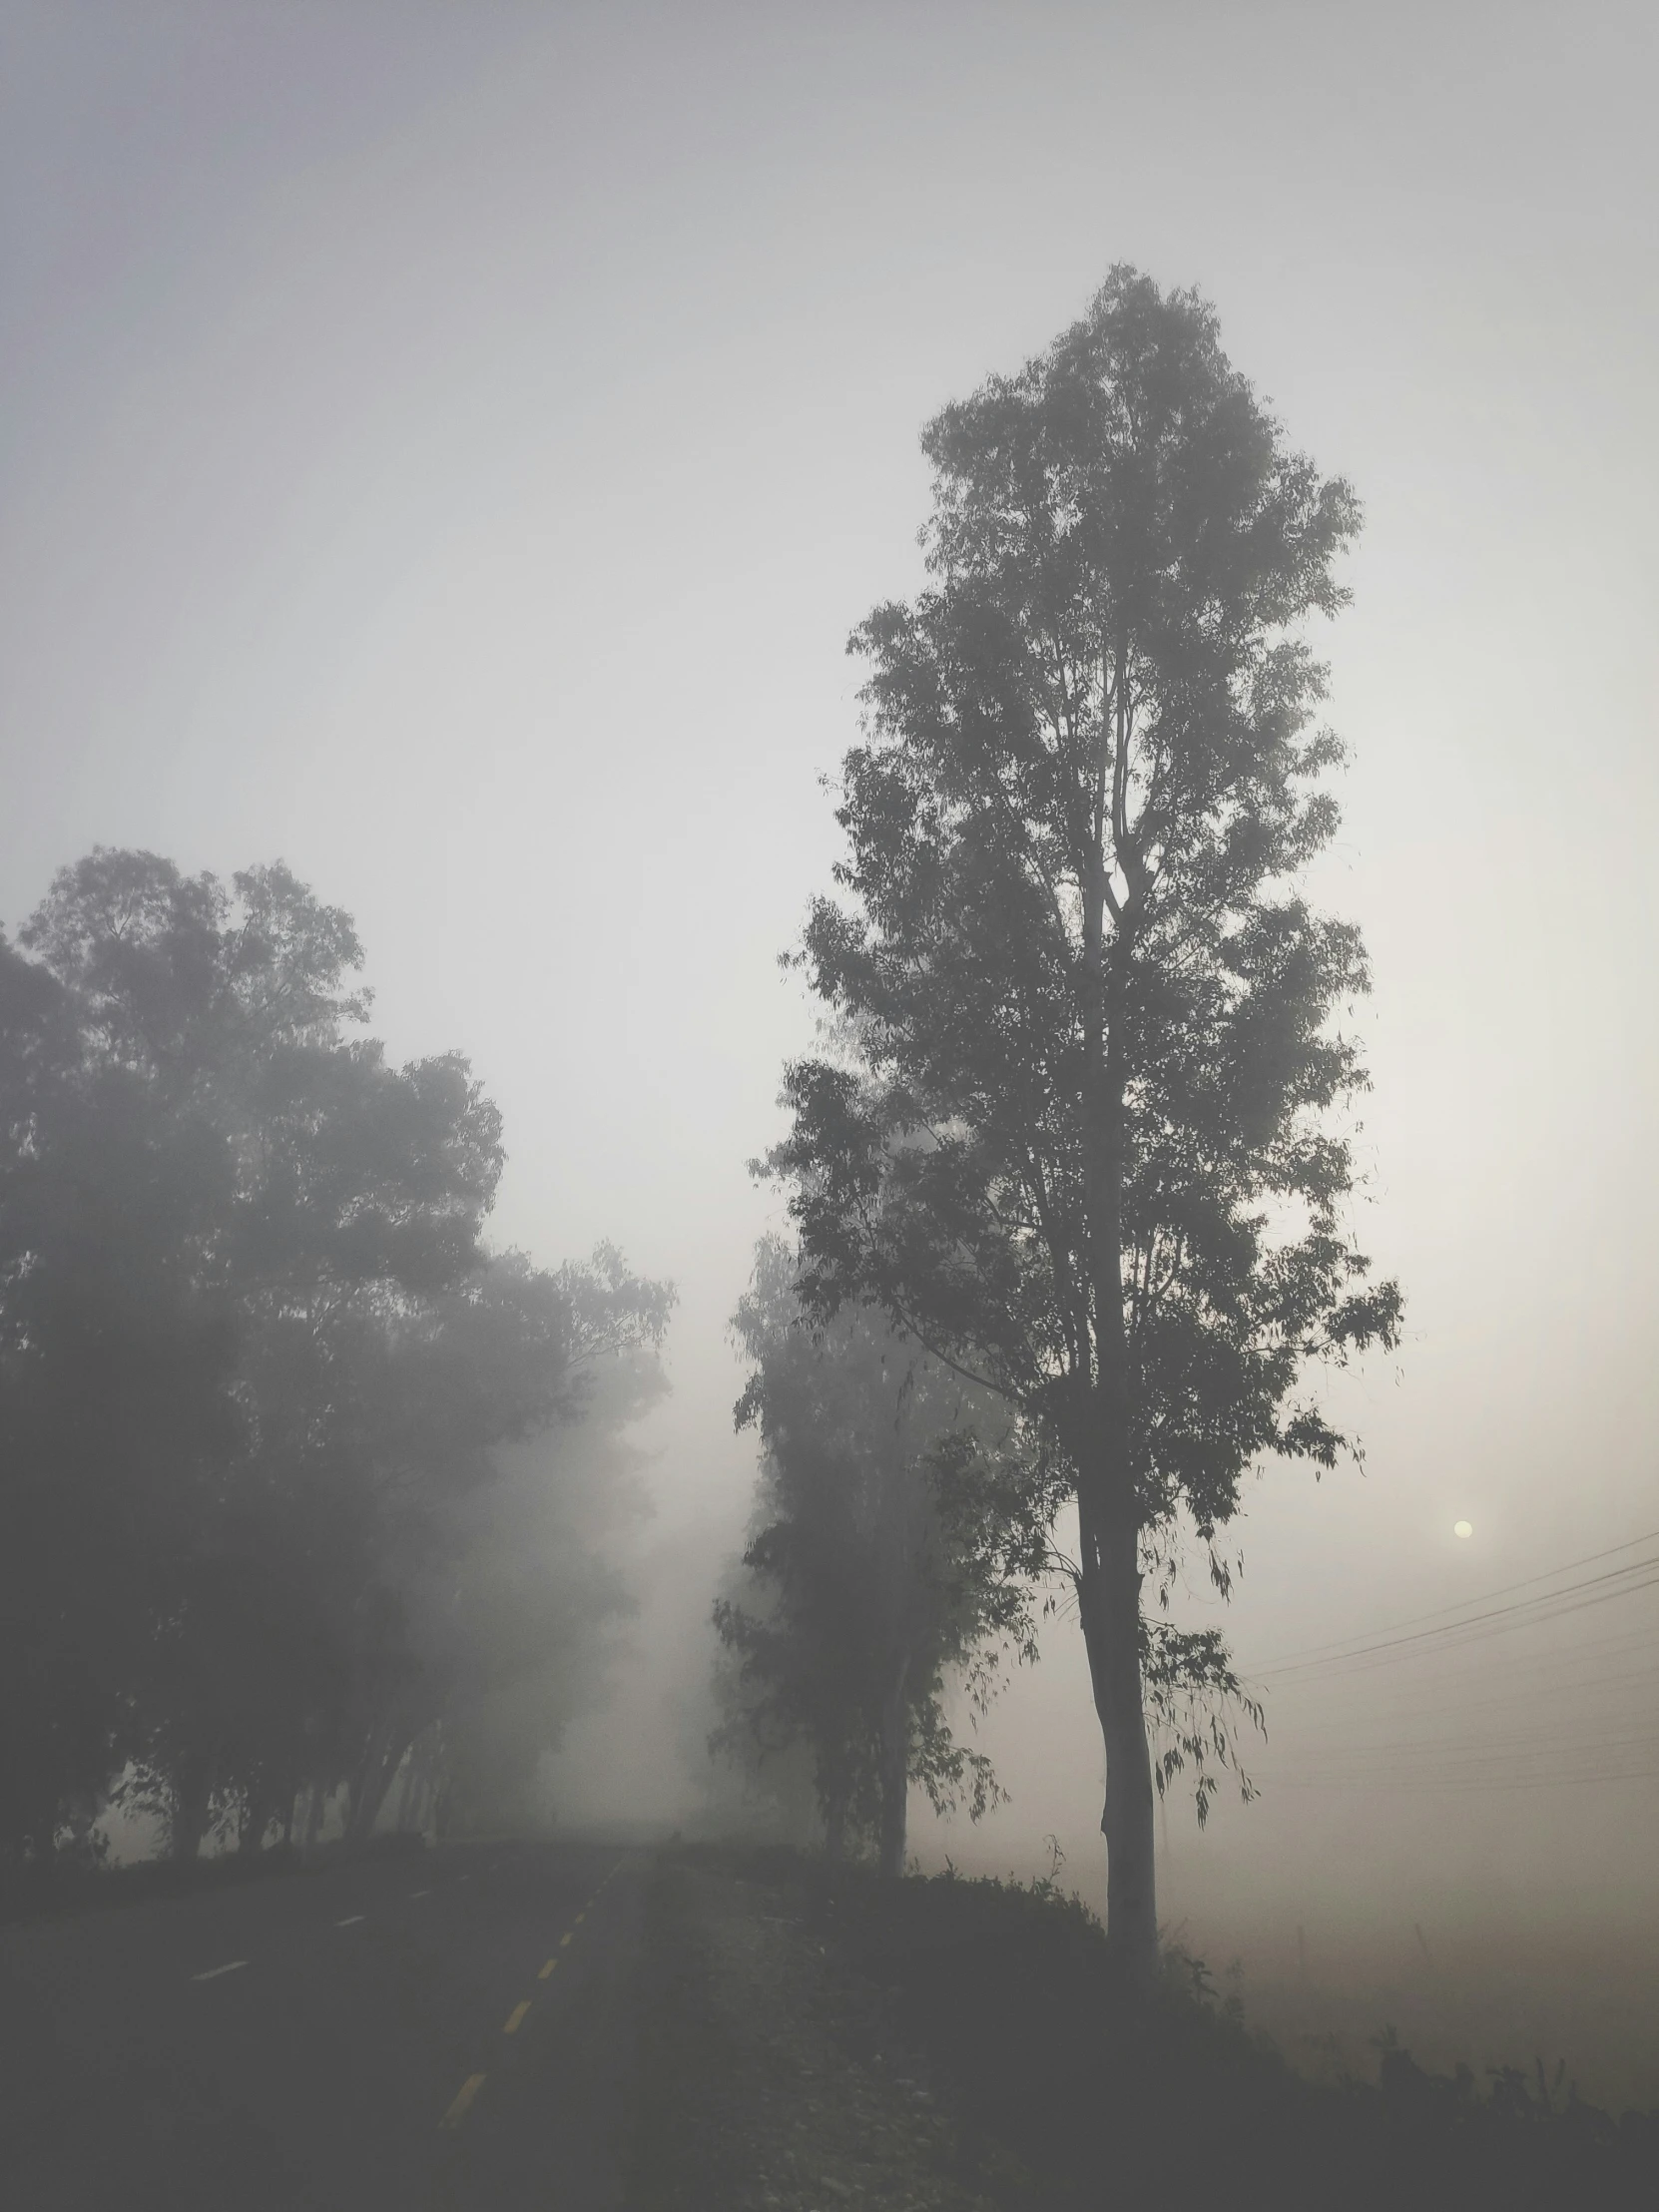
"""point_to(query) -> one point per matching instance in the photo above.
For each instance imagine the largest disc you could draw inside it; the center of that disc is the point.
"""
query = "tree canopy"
(257, 1360)
(883, 1562)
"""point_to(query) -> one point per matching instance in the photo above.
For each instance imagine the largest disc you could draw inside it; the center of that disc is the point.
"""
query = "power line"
(1548, 1676)
(1451, 1631)
(1481, 1597)
(1584, 1668)
(1530, 1613)
(1556, 1779)
(1483, 1751)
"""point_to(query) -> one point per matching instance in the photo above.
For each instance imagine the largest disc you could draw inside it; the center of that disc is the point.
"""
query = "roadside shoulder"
(762, 2082)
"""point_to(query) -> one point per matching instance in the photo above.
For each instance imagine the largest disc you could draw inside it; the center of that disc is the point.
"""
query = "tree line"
(1069, 1184)
(280, 1432)
(1079, 1146)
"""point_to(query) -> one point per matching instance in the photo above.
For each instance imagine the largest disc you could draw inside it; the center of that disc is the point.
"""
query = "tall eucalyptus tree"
(1081, 1135)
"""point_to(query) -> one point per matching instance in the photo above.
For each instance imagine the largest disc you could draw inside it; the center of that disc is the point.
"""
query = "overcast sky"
(447, 447)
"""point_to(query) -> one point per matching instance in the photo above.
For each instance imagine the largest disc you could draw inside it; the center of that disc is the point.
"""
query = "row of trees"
(276, 1424)
(1082, 1138)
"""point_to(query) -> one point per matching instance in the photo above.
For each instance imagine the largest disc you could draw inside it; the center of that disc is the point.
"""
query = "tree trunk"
(313, 1819)
(372, 1786)
(896, 1769)
(1109, 1607)
(406, 1799)
(419, 1774)
(835, 1827)
(255, 1821)
(188, 1822)
(1109, 1580)
(358, 1785)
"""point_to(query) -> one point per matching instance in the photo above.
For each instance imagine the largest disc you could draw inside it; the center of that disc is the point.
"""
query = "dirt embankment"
(813, 2040)
(765, 2087)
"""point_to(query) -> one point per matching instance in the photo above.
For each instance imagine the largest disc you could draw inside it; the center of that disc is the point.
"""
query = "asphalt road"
(436, 2032)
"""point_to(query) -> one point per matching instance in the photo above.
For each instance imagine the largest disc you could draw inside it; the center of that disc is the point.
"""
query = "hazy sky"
(447, 446)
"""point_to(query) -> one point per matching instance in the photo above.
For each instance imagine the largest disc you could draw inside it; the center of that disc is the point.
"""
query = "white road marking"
(213, 1974)
(413, 1893)
(350, 1920)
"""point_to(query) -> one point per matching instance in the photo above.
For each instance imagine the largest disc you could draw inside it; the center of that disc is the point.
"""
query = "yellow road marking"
(565, 1937)
(547, 1969)
(580, 1918)
(458, 2110)
(515, 2018)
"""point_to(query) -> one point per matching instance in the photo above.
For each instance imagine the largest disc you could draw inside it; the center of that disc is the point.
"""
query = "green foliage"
(884, 1563)
(1083, 1136)
(256, 1363)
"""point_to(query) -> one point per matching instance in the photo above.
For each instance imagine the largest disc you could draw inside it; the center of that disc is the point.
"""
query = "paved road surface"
(435, 2033)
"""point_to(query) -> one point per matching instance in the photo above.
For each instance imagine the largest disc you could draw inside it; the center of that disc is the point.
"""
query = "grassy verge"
(815, 2041)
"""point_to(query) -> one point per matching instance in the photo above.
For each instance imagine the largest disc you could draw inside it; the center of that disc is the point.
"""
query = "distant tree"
(257, 1363)
(759, 1779)
(546, 1600)
(1078, 1142)
(490, 1591)
(333, 1195)
(880, 1573)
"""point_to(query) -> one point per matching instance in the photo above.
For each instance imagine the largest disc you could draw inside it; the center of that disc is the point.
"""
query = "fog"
(447, 448)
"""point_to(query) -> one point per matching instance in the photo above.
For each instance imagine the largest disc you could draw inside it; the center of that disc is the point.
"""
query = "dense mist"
(454, 1380)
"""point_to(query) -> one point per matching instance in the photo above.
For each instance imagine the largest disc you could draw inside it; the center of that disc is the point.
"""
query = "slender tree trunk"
(834, 1826)
(358, 1785)
(1109, 1581)
(1109, 1606)
(372, 1786)
(896, 1769)
(415, 1806)
(191, 1795)
(406, 1794)
(255, 1821)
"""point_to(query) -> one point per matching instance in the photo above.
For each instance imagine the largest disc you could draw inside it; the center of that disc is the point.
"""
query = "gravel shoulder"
(766, 2082)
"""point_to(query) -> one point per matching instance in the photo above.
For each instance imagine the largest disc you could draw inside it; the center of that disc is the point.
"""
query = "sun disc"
(1463, 1528)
